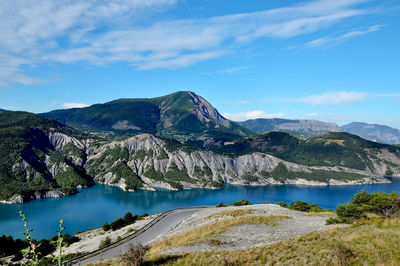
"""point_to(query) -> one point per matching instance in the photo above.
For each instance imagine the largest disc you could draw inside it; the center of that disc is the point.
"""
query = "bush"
(305, 207)
(129, 218)
(338, 220)
(220, 204)
(349, 210)
(243, 202)
(106, 226)
(384, 204)
(135, 255)
(117, 224)
(106, 241)
(143, 215)
(282, 204)
(69, 239)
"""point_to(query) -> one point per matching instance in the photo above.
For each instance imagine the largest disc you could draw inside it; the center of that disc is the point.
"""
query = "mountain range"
(174, 142)
(305, 128)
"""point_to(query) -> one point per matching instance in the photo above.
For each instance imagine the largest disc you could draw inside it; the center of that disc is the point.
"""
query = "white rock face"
(219, 167)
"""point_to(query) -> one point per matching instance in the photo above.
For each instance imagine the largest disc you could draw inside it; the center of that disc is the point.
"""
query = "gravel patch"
(249, 235)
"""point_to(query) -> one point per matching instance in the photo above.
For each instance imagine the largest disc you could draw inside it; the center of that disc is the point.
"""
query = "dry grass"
(370, 243)
(209, 231)
(231, 213)
(337, 141)
(326, 213)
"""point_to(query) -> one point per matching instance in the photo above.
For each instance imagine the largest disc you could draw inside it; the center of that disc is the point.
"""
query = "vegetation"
(305, 207)
(243, 202)
(24, 137)
(231, 213)
(210, 231)
(386, 205)
(135, 255)
(122, 222)
(116, 118)
(33, 251)
(369, 243)
(105, 242)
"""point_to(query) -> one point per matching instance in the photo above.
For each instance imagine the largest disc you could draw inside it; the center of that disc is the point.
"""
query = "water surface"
(94, 206)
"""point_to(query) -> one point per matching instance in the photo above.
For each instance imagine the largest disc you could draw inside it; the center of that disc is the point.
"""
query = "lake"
(94, 206)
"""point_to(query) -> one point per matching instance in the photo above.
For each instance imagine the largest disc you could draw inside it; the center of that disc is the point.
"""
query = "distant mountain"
(181, 115)
(374, 132)
(2, 110)
(301, 128)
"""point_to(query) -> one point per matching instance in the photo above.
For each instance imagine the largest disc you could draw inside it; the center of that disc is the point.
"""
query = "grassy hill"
(181, 115)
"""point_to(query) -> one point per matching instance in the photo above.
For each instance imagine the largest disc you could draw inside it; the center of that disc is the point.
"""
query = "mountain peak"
(182, 114)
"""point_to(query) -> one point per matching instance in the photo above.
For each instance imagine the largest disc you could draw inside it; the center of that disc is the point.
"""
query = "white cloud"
(332, 98)
(75, 105)
(233, 69)
(104, 32)
(330, 41)
(251, 115)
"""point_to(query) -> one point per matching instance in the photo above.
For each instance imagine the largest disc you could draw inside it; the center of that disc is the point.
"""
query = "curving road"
(161, 227)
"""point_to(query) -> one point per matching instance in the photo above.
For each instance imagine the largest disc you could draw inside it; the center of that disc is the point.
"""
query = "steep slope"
(39, 157)
(301, 128)
(144, 161)
(181, 115)
(331, 149)
(374, 132)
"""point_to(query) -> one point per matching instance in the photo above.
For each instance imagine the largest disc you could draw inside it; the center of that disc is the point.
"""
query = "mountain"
(374, 132)
(2, 110)
(300, 128)
(41, 157)
(181, 115)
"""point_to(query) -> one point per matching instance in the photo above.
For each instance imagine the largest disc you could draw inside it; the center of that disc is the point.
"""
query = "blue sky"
(336, 61)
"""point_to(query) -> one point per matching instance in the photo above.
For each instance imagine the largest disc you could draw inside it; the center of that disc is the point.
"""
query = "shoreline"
(19, 199)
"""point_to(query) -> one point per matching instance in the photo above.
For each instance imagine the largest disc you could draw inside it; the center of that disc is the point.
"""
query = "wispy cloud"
(252, 115)
(331, 41)
(74, 105)
(233, 69)
(332, 98)
(101, 32)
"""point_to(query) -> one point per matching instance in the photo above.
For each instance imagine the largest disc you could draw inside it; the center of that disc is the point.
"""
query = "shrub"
(305, 207)
(243, 202)
(117, 224)
(69, 239)
(129, 218)
(338, 220)
(384, 204)
(106, 241)
(349, 210)
(143, 215)
(135, 255)
(282, 204)
(220, 204)
(106, 226)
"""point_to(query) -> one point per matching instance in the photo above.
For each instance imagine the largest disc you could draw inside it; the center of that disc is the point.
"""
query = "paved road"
(164, 225)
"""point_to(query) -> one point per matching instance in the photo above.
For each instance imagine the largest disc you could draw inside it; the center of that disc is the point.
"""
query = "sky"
(335, 61)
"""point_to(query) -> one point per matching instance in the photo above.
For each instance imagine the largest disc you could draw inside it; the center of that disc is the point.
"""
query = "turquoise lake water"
(94, 206)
